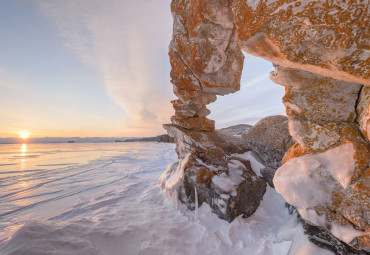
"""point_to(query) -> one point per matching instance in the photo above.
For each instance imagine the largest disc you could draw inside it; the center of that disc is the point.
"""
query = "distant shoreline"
(70, 140)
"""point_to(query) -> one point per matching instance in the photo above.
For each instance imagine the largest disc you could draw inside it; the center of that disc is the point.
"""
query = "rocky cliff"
(321, 53)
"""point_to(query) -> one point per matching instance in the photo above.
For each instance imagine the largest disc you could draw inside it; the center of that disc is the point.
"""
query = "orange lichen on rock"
(316, 97)
(205, 58)
(325, 37)
(204, 176)
(294, 152)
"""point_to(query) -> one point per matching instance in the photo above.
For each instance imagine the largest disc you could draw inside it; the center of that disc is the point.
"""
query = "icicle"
(176, 199)
(196, 203)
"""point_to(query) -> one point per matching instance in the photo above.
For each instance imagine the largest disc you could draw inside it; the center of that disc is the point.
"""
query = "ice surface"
(107, 201)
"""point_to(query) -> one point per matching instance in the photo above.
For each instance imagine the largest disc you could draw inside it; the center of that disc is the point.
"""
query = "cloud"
(126, 43)
(257, 99)
(255, 81)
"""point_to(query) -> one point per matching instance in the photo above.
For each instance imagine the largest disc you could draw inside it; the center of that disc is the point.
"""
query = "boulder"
(209, 170)
(270, 139)
(230, 191)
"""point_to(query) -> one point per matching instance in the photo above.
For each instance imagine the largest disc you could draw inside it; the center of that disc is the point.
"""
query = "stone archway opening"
(257, 98)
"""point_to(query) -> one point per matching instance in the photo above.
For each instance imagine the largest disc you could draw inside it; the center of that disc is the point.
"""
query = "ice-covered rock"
(208, 163)
(320, 172)
(230, 191)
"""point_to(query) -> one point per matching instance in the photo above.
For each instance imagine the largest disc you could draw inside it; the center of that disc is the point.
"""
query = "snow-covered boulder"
(230, 191)
(210, 170)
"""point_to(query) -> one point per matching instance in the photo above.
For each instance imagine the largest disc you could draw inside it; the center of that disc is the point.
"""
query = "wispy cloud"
(255, 81)
(126, 43)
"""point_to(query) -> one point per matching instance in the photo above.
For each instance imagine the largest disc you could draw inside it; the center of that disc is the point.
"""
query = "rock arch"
(321, 53)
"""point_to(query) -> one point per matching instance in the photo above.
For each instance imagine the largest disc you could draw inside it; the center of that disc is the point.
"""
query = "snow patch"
(229, 182)
(255, 161)
(345, 233)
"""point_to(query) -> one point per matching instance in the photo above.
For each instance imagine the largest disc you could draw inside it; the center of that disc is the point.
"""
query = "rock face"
(324, 37)
(205, 58)
(270, 139)
(363, 111)
(321, 53)
(330, 158)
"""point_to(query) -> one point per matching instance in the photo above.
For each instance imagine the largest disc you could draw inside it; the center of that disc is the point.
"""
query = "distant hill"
(160, 138)
(236, 130)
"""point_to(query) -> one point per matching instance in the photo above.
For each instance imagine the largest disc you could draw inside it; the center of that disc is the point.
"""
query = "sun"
(24, 135)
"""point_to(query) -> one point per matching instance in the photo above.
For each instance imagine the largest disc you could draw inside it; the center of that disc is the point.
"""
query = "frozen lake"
(104, 199)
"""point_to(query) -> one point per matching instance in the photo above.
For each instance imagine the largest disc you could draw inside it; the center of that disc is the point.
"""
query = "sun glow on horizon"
(24, 135)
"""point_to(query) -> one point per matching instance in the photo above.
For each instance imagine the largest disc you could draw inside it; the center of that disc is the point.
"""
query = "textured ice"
(306, 181)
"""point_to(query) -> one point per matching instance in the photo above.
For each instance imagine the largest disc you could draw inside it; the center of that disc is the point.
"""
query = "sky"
(100, 68)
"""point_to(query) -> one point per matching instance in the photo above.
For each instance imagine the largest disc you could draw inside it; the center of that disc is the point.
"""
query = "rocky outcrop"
(270, 139)
(165, 139)
(321, 53)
